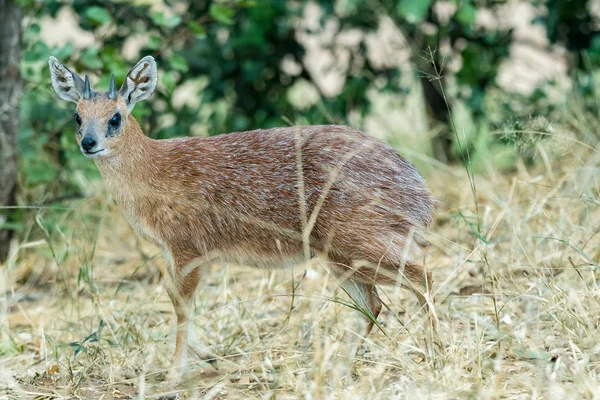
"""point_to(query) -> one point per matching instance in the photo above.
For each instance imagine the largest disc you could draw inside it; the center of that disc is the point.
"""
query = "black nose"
(88, 143)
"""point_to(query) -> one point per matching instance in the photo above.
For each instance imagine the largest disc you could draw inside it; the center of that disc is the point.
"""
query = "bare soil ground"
(84, 313)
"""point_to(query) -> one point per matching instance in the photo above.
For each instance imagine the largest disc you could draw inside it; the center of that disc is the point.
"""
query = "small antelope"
(265, 198)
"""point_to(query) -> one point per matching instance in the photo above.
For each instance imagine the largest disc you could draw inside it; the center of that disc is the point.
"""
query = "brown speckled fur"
(237, 198)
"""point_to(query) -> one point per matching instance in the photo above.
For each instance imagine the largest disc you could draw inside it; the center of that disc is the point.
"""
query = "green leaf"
(98, 15)
(142, 111)
(154, 42)
(63, 52)
(466, 14)
(14, 226)
(113, 61)
(39, 51)
(178, 63)
(197, 29)
(414, 11)
(168, 79)
(32, 33)
(173, 21)
(158, 18)
(38, 171)
(8, 348)
(90, 58)
(34, 28)
(247, 3)
(222, 14)
(526, 354)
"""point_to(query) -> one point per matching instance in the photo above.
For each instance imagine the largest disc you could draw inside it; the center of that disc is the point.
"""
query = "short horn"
(87, 90)
(112, 92)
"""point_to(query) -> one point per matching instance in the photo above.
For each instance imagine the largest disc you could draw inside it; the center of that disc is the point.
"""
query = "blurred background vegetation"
(513, 74)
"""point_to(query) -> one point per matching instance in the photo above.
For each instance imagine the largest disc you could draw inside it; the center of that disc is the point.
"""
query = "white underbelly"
(259, 261)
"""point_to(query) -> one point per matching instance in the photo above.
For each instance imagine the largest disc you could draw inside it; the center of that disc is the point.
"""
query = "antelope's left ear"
(67, 84)
(140, 82)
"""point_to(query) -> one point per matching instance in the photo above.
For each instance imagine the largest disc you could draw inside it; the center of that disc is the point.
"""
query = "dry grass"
(83, 314)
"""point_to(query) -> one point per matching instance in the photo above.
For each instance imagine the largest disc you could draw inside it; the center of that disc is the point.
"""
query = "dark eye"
(115, 121)
(77, 119)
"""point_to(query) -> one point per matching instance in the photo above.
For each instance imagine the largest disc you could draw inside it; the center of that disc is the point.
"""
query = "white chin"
(97, 154)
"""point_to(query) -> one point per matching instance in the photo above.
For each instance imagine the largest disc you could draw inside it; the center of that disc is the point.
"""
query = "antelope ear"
(140, 82)
(67, 84)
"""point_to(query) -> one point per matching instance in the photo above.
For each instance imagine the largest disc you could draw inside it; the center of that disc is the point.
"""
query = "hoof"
(206, 355)
(174, 376)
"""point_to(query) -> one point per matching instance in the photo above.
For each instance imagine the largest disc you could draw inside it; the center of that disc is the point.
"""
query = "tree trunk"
(10, 93)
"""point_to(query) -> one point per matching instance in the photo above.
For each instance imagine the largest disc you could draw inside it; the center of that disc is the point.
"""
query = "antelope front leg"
(181, 288)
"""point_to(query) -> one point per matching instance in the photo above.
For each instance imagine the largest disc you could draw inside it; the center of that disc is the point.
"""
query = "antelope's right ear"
(67, 85)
